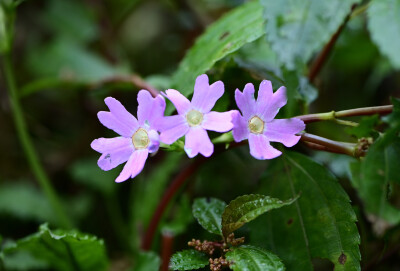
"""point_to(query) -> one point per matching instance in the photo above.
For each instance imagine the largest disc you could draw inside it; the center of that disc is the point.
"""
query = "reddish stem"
(319, 62)
(169, 194)
(166, 250)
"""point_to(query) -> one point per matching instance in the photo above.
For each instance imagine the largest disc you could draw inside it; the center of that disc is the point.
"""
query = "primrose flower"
(139, 137)
(195, 117)
(257, 123)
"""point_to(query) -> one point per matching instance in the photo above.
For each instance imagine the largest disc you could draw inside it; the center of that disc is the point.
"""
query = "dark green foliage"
(188, 260)
(147, 261)
(246, 208)
(63, 250)
(250, 258)
(320, 224)
(208, 212)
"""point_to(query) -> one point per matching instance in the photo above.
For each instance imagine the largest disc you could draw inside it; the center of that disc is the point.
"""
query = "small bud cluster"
(218, 263)
(234, 241)
(205, 246)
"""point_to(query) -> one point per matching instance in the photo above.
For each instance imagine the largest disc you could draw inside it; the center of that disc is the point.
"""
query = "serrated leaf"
(147, 261)
(384, 26)
(320, 224)
(373, 176)
(251, 258)
(297, 29)
(238, 27)
(245, 208)
(188, 260)
(64, 250)
(208, 212)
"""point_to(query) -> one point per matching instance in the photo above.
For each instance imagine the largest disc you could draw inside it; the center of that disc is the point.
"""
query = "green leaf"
(384, 26)
(393, 119)
(373, 177)
(245, 208)
(208, 212)
(251, 258)
(188, 260)
(320, 224)
(297, 29)
(238, 27)
(365, 127)
(64, 250)
(147, 261)
(24, 260)
(24, 201)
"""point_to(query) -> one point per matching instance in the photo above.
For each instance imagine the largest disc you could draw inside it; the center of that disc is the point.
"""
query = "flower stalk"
(28, 147)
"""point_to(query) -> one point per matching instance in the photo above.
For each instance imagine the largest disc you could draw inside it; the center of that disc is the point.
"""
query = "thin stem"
(320, 61)
(166, 250)
(168, 195)
(365, 111)
(351, 149)
(27, 145)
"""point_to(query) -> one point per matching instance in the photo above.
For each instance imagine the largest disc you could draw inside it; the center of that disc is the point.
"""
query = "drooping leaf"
(208, 212)
(384, 26)
(251, 258)
(24, 201)
(64, 250)
(373, 178)
(245, 208)
(147, 261)
(297, 29)
(238, 27)
(188, 260)
(320, 224)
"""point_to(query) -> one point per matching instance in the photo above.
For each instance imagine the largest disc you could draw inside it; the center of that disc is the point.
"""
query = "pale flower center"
(140, 139)
(194, 117)
(256, 125)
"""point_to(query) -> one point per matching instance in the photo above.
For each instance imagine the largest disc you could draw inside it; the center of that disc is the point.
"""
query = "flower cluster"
(142, 135)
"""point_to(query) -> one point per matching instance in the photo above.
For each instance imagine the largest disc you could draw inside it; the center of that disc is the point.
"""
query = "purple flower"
(138, 138)
(195, 117)
(258, 124)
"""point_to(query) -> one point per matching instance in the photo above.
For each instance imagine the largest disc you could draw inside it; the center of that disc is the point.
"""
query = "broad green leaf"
(64, 250)
(238, 27)
(251, 258)
(24, 201)
(208, 212)
(188, 260)
(384, 26)
(320, 224)
(245, 208)
(297, 29)
(373, 176)
(24, 260)
(147, 261)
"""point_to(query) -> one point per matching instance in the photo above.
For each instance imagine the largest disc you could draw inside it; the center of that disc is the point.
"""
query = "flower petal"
(260, 148)
(284, 130)
(118, 119)
(150, 109)
(154, 141)
(240, 131)
(205, 96)
(197, 141)
(115, 151)
(134, 165)
(180, 102)
(245, 101)
(268, 108)
(173, 128)
(218, 121)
